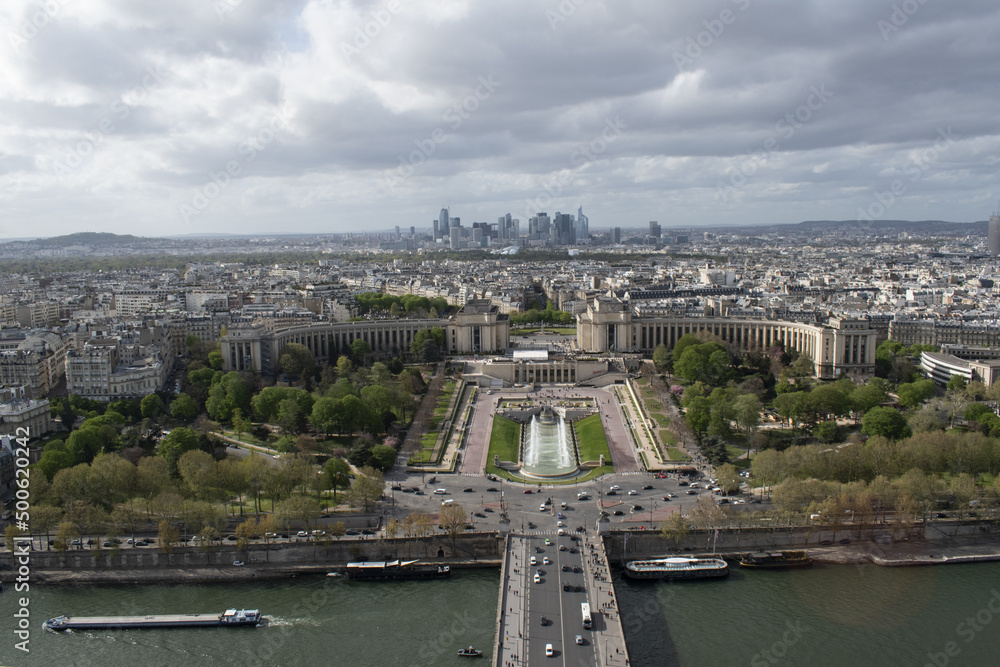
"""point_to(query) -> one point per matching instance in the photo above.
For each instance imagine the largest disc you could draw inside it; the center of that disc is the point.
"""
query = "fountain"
(548, 447)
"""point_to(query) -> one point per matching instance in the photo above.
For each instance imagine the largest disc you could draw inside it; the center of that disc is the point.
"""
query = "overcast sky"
(185, 116)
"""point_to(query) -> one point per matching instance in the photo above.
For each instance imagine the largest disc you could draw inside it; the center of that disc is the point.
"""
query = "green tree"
(956, 383)
(338, 474)
(174, 444)
(886, 422)
(151, 406)
(661, 357)
(914, 393)
(183, 408)
(675, 528)
(215, 360)
(383, 457)
(728, 477)
(367, 488)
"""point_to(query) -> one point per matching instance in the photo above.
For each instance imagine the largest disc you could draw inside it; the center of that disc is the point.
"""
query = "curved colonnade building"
(841, 347)
(478, 327)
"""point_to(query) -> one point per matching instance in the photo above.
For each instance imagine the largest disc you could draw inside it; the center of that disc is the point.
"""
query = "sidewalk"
(603, 604)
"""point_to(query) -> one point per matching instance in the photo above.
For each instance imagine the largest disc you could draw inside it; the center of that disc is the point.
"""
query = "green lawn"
(661, 418)
(676, 454)
(667, 437)
(591, 439)
(505, 440)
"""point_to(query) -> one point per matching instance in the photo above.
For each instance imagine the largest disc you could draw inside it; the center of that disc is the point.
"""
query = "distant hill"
(932, 227)
(89, 238)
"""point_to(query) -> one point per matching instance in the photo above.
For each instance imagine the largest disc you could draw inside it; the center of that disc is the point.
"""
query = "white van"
(445, 503)
(440, 492)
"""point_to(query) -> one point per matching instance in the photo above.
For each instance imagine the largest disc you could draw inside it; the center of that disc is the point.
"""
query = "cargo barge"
(776, 560)
(229, 618)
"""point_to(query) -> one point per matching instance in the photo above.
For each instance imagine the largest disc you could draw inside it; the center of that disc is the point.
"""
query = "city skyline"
(321, 116)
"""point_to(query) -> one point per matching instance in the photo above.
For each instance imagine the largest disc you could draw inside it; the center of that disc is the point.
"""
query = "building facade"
(842, 347)
(477, 328)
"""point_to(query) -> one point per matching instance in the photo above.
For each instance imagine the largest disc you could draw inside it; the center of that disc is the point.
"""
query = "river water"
(825, 615)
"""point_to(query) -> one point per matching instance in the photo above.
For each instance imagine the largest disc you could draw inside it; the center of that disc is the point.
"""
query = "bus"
(585, 611)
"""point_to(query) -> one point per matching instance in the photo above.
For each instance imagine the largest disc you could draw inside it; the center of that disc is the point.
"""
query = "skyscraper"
(654, 229)
(616, 235)
(994, 234)
(443, 222)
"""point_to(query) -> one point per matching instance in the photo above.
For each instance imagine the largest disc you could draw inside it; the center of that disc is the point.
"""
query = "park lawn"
(505, 440)
(591, 439)
(735, 452)
(667, 437)
(661, 418)
(676, 454)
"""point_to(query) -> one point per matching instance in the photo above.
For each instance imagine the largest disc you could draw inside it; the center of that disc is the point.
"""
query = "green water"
(825, 615)
(313, 621)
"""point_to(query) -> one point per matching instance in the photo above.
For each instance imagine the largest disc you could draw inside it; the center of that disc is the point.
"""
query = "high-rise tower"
(443, 222)
(993, 237)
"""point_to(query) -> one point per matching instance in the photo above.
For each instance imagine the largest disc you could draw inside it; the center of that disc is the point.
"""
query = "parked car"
(238, 563)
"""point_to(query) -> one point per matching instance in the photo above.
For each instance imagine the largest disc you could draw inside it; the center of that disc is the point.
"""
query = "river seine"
(825, 615)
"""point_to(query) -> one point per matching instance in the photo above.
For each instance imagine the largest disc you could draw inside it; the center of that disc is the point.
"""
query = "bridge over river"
(571, 570)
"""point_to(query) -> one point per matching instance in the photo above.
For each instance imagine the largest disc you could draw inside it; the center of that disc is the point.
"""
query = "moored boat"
(396, 569)
(677, 568)
(776, 560)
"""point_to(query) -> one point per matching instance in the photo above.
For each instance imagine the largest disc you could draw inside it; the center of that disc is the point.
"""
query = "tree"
(175, 443)
(867, 396)
(914, 393)
(344, 366)
(297, 359)
(956, 383)
(151, 406)
(746, 410)
(886, 422)
(240, 424)
(453, 519)
(383, 457)
(728, 477)
(367, 488)
(168, 536)
(675, 528)
(183, 408)
(298, 508)
(661, 357)
(247, 531)
(360, 350)
(337, 473)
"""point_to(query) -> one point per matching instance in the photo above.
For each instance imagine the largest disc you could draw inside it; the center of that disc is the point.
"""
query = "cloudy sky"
(187, 116)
